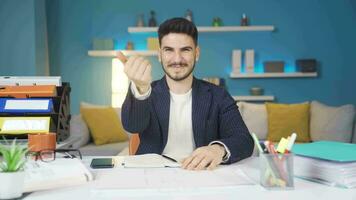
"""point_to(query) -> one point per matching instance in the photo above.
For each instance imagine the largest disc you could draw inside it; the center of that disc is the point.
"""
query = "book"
(30, 80)
(22, 106)
(21, 125)
(338, 174)
(327, 162)
(327, 150)
(62, 172)
(149, 161)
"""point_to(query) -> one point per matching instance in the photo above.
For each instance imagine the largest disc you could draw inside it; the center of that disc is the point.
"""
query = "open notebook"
(149, 161)
(62, 172)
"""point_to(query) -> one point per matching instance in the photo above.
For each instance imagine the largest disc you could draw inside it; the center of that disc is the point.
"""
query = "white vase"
(12, 184)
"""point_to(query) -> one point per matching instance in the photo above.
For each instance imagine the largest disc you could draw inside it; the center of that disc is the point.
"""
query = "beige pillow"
(354, 137)
(255, 118)
(331, 123)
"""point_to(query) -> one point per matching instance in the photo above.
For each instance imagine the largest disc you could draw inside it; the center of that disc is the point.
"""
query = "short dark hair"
(178, 25)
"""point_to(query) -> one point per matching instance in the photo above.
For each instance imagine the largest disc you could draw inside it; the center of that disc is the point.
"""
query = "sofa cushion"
(79, 129)
(255, 118)
(354, 135)
(285, 119)
(104, 125)
(331, 123)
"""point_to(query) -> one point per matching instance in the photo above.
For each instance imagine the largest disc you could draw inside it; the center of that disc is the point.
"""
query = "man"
(191, 120)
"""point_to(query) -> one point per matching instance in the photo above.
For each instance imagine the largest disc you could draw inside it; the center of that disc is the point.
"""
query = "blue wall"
(23, 44)
(321, 29)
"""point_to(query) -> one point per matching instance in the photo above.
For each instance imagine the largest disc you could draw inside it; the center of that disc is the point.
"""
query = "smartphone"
(98, 163)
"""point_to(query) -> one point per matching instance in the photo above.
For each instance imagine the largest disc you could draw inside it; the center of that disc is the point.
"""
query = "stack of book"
(331, 163)
(34, 105)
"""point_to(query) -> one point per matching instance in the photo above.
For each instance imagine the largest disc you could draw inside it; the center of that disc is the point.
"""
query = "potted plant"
(12, 175)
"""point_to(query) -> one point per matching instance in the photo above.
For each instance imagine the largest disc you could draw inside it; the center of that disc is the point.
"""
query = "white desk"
(303, 190)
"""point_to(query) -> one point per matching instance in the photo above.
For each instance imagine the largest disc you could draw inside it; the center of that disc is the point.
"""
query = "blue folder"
(327, 150)
(22, 108)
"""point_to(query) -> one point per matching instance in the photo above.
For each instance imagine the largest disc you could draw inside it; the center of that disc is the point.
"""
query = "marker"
(291, 142)
(257, 143)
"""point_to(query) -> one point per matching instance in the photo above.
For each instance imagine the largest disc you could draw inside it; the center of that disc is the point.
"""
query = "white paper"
(26, 104)
(28, 124)
(148, 161)
(156, 178)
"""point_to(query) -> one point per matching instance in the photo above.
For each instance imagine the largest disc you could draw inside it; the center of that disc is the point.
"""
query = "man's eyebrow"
(187, 47)
(167, 47)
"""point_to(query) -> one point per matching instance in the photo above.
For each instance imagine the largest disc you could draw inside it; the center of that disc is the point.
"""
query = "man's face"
(178, 55)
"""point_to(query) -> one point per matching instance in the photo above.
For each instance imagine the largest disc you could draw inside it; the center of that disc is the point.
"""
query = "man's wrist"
(142, 89)
(221, 149)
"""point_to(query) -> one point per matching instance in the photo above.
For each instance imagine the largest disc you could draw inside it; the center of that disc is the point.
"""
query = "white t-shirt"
(180, 141)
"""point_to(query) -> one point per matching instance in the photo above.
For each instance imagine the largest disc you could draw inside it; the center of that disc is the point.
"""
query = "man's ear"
(197, 53)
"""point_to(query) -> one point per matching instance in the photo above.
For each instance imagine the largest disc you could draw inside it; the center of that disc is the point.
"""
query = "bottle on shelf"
(189, 15)
(152, 22)
(244, 20)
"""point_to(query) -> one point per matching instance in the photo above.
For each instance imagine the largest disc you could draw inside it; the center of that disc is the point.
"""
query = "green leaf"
(13, 157)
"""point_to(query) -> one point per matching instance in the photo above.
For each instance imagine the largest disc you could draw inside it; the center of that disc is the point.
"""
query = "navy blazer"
(215, 116)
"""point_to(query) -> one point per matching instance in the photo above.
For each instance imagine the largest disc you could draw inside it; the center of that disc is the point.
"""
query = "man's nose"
(177, 57)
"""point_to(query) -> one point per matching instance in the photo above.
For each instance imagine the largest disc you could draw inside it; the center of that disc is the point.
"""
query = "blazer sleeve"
(233, 131)
(135, 114)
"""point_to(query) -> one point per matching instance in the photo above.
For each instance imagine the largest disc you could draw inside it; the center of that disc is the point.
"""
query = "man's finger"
(142, 68)
(186, 162)
(203, 164)
(128, 65)
(121, 57)
(135, 66)
(195, 162)
(213, 164)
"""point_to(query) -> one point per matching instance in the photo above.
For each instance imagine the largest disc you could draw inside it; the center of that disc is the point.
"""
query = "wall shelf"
(207, 29)
(273, 75)
(112, 53)
(253, 98)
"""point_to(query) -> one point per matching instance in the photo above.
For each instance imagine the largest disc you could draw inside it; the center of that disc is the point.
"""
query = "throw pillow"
(79, 129)
(104, 124)
(331, 123)
(354, 137)
(285, 119)
(255, 118)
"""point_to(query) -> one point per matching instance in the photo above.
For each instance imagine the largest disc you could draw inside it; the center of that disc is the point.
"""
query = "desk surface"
(303, 190)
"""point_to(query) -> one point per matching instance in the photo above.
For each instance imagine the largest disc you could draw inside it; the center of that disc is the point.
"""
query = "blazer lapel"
(162, 107)
(201, 100)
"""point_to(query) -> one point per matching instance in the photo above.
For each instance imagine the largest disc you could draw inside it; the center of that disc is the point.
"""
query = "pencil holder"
(276, 171)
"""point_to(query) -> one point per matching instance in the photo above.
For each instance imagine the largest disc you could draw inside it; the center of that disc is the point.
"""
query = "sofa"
(81, 134)
(325, 123)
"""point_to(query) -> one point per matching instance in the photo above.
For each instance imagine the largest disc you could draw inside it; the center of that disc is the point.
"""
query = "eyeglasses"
(49, 155)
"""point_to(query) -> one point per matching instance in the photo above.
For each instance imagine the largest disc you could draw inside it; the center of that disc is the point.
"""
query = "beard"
(178, 78)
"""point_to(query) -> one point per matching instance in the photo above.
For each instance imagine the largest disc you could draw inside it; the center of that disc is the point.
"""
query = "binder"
(59, 116)
(327, 150)
(21, 125)
(28, 91)
(30, 80)
(15, 106)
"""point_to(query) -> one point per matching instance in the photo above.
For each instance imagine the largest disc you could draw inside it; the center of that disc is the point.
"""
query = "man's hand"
(207, 157)
(138, 70)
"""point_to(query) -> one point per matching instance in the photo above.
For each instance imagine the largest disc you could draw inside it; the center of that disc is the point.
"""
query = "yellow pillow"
(104, 124)
(285, 119)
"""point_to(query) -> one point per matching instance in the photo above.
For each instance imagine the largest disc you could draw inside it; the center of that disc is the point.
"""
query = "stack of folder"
(331, 163)
(34, 105)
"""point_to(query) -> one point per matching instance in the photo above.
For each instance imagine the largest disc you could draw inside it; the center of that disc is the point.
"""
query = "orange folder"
(28, 91)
